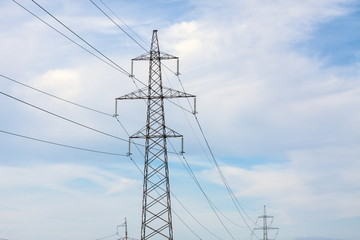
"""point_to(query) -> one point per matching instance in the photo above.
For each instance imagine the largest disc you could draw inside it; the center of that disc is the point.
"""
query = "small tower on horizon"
(266, 226)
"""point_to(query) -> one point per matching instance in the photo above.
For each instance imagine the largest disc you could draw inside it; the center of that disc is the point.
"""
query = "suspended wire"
(189, 170)
(234, 199)
(59, 98)
(111, 65)
(124, 23)
(221, 175)
(107, 236)
(62, 145)
(141, 46)
(204, 153)
(123, 70)
(67, 101)
(55, 217)
(142, 173)
(64, 118)
(187, 119)
(188, 227)
(117, 67)
(138, 88)
(82, 39)
(117, 24)
(202, 225)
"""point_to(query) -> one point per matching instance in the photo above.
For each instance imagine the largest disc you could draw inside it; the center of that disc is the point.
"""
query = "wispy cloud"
(259, 94)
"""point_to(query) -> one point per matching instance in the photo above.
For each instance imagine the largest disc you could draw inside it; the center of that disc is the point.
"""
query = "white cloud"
(322, 183)
(257, 95)
(57, 177)
(251, 80)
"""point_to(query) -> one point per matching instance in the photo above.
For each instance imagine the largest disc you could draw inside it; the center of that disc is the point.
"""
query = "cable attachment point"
(194, 111)
(182, 146)
(177, 68)
(128, 154)
(115, 114)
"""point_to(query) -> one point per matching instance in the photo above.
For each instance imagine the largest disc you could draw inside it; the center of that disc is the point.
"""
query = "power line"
(54, 217)
(61, 145)
(78, 35)
(142, 39)
(108, 236)
(67, 101)
(111, 65)
(142, 173)
(141, 46)
(59, 98)
(117, 25)
(234, 199)
(82, 39)
(179, 105)
(221, 175)
(202, 225)
(165, 67)
(86, 42)
(189, 170)
(61, 117)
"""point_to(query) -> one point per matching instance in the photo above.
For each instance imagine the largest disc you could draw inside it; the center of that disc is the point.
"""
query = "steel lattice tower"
(266, 226)
(156, 204)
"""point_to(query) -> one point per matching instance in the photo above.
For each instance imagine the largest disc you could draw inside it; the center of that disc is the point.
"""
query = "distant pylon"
(156, 204)
(266, 226)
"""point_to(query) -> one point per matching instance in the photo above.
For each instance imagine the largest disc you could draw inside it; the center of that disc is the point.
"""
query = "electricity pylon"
(266, 226)
(156, 205)
(126, 232)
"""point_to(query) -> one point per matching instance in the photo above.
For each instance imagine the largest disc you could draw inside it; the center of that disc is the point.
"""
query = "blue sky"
(278, 96)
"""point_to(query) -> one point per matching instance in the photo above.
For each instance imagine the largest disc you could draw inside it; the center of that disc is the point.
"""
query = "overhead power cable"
(142, 39)
(82, 39)
(142, 173)
(170, 101)
(113, 235)
(61, 117)
(86, 42)
(219, 171)
(117, 25)
(188, 166)
(84, 49)
(132, 38)
(222, 176)
(111, 65)
(211, 204)
(62, 145)
(59, 98)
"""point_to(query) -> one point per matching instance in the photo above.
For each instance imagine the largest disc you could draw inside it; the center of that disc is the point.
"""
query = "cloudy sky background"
(278, 96)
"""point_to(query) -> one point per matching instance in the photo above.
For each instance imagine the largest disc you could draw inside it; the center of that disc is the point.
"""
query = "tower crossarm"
(147, 56)
(264, 228)
(168, 133)
(143, 94)
(156, 219)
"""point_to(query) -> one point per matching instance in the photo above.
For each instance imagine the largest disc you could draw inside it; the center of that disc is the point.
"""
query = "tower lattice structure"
(156, 204)
(266, 225)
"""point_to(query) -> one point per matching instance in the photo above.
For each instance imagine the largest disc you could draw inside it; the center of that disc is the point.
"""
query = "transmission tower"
(266, 226)
(156, 205)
